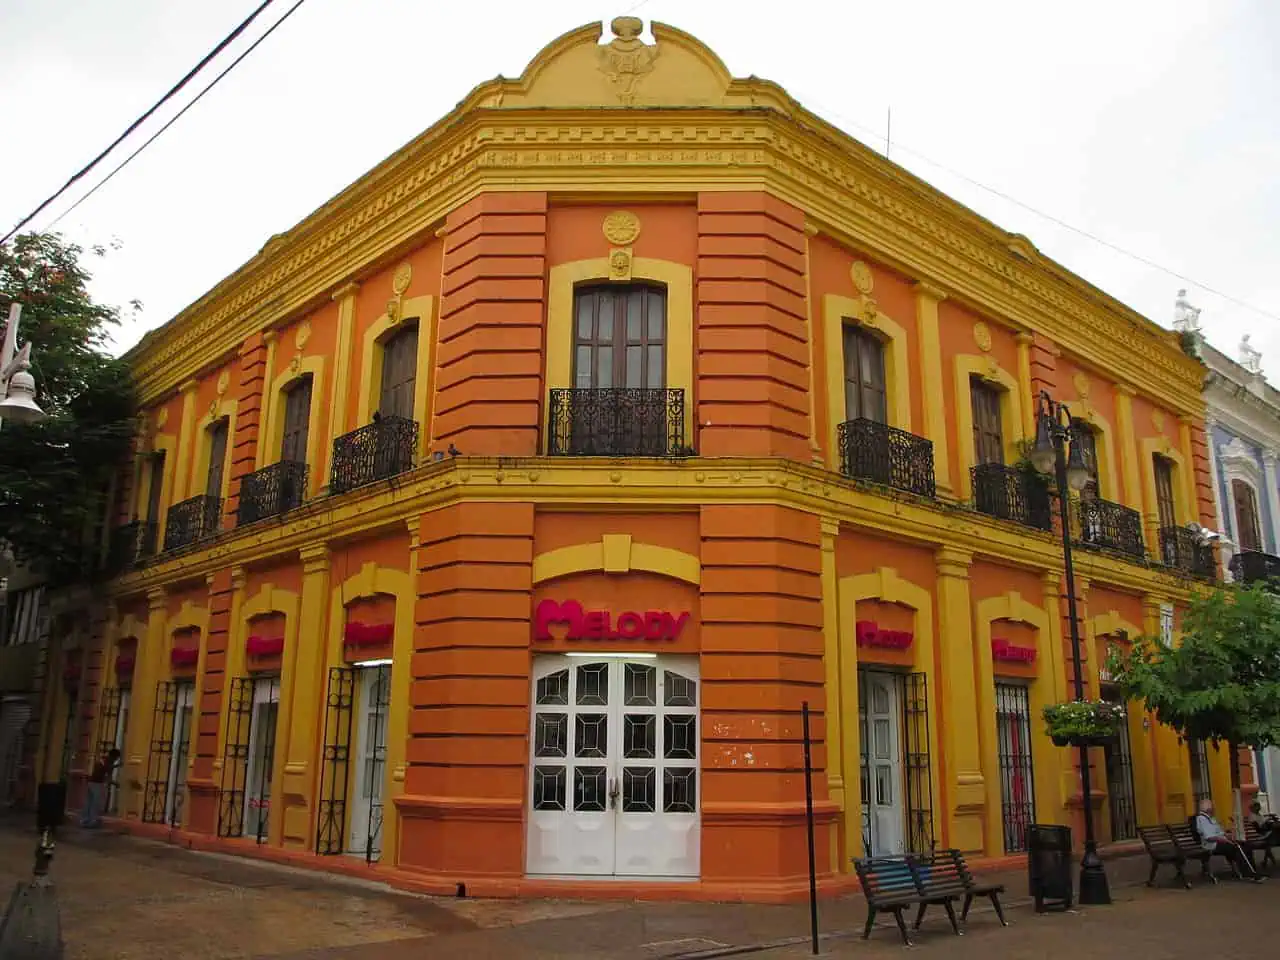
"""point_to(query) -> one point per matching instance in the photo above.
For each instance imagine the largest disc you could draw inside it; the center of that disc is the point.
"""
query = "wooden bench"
(1162, 848)
(974, 889)
(1188, 842)
(938, 882)
(1254, 840)
(889, 884)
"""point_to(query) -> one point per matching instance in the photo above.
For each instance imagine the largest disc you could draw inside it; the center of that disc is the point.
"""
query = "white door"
(184, 698)
(614, 778)
(882, 807)
(262, 749)
(373, 700)
(117, 741)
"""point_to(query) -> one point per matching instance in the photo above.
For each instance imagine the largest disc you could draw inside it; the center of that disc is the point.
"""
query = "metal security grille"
(263, 751)
(1199, 772)
(1120, 797)
(915, 741)
(108, 719)
(235, 757)
(156, 790)
(375, 762)
(1017, 780)
(331, 826)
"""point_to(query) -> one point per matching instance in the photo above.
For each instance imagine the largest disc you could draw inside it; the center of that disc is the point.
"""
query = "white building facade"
(1242, 425)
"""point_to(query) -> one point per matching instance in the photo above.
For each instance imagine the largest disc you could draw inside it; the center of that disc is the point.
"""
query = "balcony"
(616, 422)
(382, 449)
(1010, 494)
(1252, 566)
(271, 491)
(192, 521)
(1182, 550)
(887, 456)
(1109, 526)
(130, 545)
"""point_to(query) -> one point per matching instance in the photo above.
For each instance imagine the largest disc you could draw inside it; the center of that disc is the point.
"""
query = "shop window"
(1163, 467)
(864, 383)
(297, 420)
(1245, 502)
(399, 374)
(988, 432)
(620, 337)
(217, 457)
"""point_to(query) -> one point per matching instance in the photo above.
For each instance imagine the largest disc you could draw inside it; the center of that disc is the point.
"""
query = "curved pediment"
(578, 70)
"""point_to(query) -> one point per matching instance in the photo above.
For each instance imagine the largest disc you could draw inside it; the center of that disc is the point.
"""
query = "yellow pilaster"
(988, 738)
(959, 693)
(1158, 770)
(270, 338)
(1064, 783)
(1189, 486)
(149, 668)
(342, 385)
(935, 421)
(182, 469)
(1129, 461)
(302, 697)
(1024, 384)
(831, 662)
(810, 231)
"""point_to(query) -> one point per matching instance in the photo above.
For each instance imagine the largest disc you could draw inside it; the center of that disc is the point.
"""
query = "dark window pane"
(680, 737)
(593, 685)
(639, 789)
(679, 691)
(551, 735)
(548, 788)
(590, 791)
(639, 685)
(680, 790)
(554, 689)
(639, 735)
(591, 736)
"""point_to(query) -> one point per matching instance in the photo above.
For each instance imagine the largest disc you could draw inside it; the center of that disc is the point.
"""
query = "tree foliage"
(54, 475)
(1222, 682)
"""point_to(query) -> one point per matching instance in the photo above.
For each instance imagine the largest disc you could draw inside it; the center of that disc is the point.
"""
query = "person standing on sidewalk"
(96, 799)
(1214, 839)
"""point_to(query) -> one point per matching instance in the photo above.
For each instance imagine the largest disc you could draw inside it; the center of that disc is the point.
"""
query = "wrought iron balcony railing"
(130, 545)
(1250, 566)
(1109, 526)
(271, 491)
(616, 422)
(191, 521)
(1010, 494)
(381, 449)
(885, 455)
(1182, 550)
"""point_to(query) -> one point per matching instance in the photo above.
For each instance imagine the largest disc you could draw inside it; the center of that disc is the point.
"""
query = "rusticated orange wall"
(752, 345)
(667, 232)
(489, 377)
(677, 531)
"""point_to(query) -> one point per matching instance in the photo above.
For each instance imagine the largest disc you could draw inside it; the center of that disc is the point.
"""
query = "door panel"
(297, 418)
(988, 431)
(882, 775)
(864, 384)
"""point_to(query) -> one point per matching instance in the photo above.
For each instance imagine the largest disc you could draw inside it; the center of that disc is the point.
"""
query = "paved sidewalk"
(125, 898)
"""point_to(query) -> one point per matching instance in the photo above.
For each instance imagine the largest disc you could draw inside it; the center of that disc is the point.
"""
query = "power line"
(1190, 281)
(142, 119)
(194, 100)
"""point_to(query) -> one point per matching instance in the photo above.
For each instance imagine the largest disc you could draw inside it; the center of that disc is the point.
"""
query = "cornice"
(1244, 416)
(951, 531)
(845, 189)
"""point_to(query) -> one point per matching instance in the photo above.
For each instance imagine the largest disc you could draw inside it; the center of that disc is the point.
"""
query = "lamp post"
(17, 386)
(1057, 452)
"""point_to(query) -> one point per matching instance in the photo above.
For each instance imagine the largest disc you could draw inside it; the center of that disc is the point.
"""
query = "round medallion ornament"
(621, 227)
(400, 282)
(862, 278)
(982, 336)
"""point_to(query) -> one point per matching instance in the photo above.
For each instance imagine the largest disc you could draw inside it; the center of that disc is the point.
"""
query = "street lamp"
(1050, 454)
(17, 386)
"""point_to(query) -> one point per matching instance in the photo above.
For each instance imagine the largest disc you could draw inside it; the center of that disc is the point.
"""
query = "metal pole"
(1093, 878)
(808, 813)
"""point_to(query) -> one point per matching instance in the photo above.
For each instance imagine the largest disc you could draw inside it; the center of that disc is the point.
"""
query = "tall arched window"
(1245, 504)
(620, 336)
(399, 373)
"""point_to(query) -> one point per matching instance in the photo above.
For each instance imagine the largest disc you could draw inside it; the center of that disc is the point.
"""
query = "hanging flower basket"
(1088, 723)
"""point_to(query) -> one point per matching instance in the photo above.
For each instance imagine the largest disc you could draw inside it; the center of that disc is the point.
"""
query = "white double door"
(614, 768)
(373, 700)
(179, 749)
(883, 785)
(262, 752)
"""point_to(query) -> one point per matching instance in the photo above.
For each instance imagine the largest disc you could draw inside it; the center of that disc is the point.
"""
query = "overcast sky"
(1153, 125)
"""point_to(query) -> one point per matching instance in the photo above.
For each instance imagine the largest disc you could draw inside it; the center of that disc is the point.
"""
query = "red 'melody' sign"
(580, 624)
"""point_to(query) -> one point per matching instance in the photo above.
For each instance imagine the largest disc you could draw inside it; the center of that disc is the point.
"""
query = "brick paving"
(130, 899)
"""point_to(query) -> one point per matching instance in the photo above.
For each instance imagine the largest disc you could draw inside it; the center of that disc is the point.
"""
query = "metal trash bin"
(1049, 863)
(51, 805)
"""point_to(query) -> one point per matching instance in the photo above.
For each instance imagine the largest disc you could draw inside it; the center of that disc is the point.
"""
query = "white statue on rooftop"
(1250, 356)
(1186, 318)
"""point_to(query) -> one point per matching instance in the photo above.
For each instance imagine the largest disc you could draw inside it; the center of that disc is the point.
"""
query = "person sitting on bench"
(1268, 825)
(1215, 840)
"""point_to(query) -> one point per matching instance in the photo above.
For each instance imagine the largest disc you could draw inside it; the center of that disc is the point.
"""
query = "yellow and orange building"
(492, 526)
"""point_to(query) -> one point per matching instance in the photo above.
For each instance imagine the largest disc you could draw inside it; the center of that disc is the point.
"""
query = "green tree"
(55, 475)
(1221, 683)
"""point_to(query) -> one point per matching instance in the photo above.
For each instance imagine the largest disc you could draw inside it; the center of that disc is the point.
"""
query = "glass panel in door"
(179, 750)
(371, 761)
(262, 749)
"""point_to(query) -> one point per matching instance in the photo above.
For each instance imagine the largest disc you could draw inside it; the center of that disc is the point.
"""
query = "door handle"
(613, 793)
